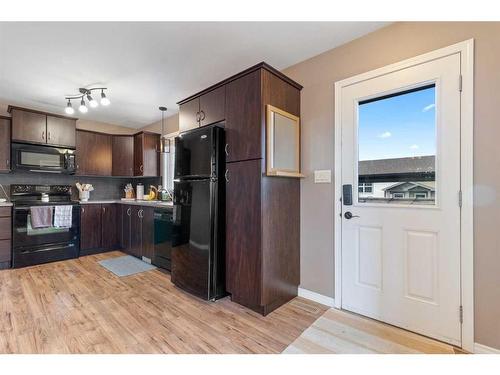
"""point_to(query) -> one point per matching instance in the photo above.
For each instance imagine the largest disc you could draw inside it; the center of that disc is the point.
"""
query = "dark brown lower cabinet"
(5, 237)
(110, 226)
(99, 228)
(90, 228)
(138, 231)
(262, 236)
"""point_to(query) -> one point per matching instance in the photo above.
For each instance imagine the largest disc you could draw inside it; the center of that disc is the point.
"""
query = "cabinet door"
(103, 155)
(123, 155)
(148, 241)
(136, 231)
(213, 106)
(126, 215)
(29, 126)
(90, 227)
(243, 232)
(244, 118)
(151, 155)
(4, 145)
(61, 131)
(189, 115)
(110, 227)
(138, 154)
(93, 154)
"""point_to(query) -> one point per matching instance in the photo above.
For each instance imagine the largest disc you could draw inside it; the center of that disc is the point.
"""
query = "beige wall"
(388, 45)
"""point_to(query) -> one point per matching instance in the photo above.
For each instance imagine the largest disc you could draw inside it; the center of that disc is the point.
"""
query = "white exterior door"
(400, 250)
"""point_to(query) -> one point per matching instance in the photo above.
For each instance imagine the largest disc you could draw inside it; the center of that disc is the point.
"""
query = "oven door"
(26, 237)
(43, 159)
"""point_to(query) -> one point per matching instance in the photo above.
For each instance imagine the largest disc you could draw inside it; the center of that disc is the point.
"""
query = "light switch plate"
(323, 176)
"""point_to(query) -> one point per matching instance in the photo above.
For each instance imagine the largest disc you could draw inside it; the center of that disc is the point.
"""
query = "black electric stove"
(35, 246)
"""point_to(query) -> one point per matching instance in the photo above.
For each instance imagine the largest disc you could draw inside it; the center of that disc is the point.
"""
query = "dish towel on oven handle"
(63, 216)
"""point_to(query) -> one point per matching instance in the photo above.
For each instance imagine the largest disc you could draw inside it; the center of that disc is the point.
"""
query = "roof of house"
(417, 164)
(405, 186)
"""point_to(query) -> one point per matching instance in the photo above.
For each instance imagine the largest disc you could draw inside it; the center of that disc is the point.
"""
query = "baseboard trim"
(316, 297)
(483, 349)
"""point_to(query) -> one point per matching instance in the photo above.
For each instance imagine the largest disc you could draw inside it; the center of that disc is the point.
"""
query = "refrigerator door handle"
(226, 175)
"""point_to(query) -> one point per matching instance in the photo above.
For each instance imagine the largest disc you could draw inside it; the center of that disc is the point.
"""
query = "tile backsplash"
(104, 187)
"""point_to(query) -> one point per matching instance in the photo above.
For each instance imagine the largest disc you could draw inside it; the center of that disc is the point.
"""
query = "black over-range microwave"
(35, 158)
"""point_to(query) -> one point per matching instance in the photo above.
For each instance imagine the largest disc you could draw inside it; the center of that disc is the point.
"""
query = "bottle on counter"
(139, 191)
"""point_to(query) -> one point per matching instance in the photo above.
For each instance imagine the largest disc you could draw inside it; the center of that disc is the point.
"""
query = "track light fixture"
(69, 108)
(86, 93)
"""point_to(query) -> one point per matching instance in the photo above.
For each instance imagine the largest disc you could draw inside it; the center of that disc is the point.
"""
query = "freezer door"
(194, 153)
(192, 242)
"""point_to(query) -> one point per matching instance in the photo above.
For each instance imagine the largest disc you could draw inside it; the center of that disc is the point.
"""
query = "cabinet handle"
(198, 117)
(141, 168)
(128, 211)
(49, 135)
(226, 175)
(203, 117)
(104, 209)
(83, 210)
(226, 149)
(43, 135)
(7, 163)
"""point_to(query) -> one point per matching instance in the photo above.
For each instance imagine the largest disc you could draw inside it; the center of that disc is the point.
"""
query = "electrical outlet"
(323, 176)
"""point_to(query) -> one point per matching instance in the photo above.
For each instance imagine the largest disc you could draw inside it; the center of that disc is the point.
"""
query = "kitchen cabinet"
(263, 222)
(244, 118)
(123, 155)
(99, 228)
(188, 115)
(31, 126)
(61, 131)
(148, 243)
(5, 237)
(4, 144)
(243, 236)
(93, 153)
(138, 230)
(146, 154)
(206, 109)
(110, 226)
(90, 228)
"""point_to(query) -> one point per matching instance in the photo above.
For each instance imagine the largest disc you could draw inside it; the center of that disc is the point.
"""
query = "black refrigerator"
(198, 231)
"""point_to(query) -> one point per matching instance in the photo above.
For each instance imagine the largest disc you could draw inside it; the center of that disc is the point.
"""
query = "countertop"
(136, 203)
(5, 204)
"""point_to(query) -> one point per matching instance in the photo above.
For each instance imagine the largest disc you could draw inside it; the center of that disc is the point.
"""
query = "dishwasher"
(163, 221)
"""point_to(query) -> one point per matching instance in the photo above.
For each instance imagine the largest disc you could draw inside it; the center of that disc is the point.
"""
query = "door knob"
(348, 215)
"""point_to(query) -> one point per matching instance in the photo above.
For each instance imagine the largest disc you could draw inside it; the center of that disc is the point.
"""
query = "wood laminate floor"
(77, 306)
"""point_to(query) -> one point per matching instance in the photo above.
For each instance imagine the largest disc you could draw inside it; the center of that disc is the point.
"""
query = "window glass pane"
(397, 148)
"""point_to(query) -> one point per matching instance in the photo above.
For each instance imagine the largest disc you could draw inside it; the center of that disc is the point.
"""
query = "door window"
(397, 148)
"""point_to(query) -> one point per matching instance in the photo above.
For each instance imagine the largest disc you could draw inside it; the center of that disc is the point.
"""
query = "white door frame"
(466, 50)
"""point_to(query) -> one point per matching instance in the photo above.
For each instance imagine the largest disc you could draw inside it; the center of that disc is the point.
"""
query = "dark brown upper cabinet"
(61, 131)
(30, 126)
(188, 115)
(244, 118)
(213, 106)
(93, 153)
(4, 144)
(146, 154)
(123, 155)
(203, 110)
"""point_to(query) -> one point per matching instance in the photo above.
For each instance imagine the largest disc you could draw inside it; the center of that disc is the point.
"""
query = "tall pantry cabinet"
(262, 213)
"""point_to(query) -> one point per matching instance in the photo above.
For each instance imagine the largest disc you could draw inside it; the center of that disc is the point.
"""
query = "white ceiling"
(148, 64)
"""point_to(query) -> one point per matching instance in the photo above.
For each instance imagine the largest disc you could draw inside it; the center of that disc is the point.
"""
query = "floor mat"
(126, 265)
